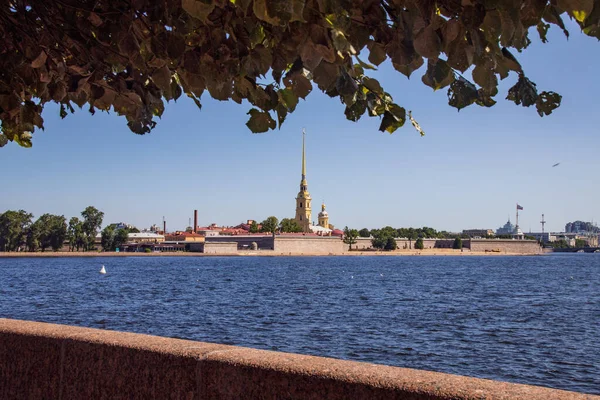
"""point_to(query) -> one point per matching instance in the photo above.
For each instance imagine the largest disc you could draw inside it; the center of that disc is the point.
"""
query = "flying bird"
(556, 165)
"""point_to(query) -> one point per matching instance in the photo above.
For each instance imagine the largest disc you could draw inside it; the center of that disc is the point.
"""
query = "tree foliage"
(49, 231)
(132, 56)
(254, 227)
(14, 226)
(92, 220)
(364, 232)
(350, 236)
(113, 238)
(457, 245)
(419, 244)
(75, 234)
(270, 225)
(290, 225)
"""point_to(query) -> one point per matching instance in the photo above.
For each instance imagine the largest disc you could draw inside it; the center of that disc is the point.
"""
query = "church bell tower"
(303, 200)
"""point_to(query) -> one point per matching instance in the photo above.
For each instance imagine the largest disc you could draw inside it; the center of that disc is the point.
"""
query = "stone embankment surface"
(39, 360)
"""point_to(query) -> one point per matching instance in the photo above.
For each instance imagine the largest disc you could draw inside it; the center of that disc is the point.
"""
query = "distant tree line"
(273, 225)
(19, 232)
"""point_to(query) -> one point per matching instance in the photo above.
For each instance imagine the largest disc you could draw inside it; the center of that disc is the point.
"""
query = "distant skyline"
(469, 171)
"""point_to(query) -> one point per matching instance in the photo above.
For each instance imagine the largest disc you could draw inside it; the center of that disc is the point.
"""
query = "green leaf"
(547, 102)
(264, 8)
(364, 64)
(288, 98)
(484, 76)
(542, 29)
(281, 113)
(393, 118)
(376, 53)
(484, 99)
(438, 75)
(196, 100)
(355, 111)
(407, 70)
(579, 9)
(23, 140)
(199, 9)
(299, 84)
(415, 124)
(260, 121)
(372, 84)
(345, 84)
(462, 93)
(523, 92)
(63, 111)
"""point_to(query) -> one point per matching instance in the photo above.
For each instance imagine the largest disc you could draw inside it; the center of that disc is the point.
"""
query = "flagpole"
(517, 227)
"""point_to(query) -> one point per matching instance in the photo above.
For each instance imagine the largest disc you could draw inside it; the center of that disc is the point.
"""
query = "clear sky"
(469, 171)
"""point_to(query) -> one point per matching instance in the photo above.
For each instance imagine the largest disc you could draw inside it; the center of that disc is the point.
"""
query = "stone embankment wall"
(47, 361)
(220, 248)
(309, 245)
(505, 246)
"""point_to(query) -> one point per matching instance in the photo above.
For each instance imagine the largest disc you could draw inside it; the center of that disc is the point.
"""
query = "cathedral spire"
(303, 156)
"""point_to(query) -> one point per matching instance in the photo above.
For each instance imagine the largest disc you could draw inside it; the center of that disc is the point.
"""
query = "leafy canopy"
(130, 56)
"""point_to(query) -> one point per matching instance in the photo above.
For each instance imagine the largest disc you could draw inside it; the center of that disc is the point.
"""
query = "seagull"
(556, 165)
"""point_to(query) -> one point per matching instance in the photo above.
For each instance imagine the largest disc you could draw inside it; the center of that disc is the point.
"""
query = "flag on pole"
(519, 207)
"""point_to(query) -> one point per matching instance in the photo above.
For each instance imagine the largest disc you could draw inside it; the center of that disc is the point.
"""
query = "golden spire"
(303, 157)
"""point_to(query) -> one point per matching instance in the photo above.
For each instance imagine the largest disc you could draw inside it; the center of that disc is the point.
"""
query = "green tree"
(581, 243)
(350, 236)
(92, 220)
(411, 235)
(189, 229)
(379, 242)
(560, 244)
(113, 238)
(419, 244)
(32, 239)
(457, 245)
(364, 233)
(75, 234)
(270, 225)
(390, 244)
(254, 227)
(51, 231)
(290, 225)
(14, 226)
(107, 238)
(124, 56)
(133, 229)
(121, 237)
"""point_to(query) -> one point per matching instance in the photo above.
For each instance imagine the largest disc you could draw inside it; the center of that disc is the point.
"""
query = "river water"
(533, 320)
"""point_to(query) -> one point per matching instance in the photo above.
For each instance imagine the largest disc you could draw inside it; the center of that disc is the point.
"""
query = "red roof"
(337, 232)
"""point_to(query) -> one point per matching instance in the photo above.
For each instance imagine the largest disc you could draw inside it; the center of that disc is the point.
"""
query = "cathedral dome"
(323, 213)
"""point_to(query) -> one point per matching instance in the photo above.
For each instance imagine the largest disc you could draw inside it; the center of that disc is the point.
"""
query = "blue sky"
(467, 172)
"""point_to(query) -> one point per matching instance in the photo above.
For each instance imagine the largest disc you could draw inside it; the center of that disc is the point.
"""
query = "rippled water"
(532, 320)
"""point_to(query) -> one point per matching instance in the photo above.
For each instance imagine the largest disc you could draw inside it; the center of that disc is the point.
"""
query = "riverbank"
(263, 253)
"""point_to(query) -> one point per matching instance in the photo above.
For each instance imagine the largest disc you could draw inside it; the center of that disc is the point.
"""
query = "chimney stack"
(195, 221)
(164, 227)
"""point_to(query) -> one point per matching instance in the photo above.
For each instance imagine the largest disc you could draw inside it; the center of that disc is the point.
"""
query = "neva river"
(532, 320)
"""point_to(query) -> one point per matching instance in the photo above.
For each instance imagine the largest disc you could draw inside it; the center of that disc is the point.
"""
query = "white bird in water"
(103, 270)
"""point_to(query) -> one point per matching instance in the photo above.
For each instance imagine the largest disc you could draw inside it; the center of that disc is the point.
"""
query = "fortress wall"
(310, 244)
(506, 246)
(39, 360)
(221, 248)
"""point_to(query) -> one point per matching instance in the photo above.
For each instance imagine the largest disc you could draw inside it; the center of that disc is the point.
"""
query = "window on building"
(301, 218)
(300, 205)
